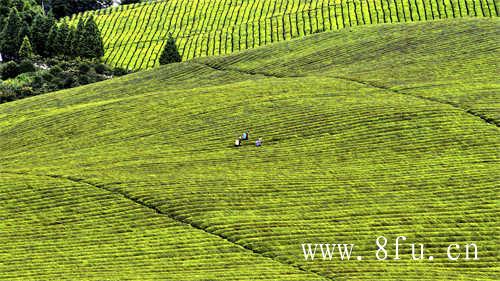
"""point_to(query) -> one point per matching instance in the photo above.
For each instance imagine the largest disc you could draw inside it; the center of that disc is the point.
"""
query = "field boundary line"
(158, 211)
(368, 84)
(457, 106)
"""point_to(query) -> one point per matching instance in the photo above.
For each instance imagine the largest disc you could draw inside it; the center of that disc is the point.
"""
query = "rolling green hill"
(135, 34)
(375, 130)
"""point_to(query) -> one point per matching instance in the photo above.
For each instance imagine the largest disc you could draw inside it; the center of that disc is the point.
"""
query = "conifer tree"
(4, 11)
(25, 31)
(26, 51)
(54, 46)
(69, 48)
(39, 33)
(77, 38)
(62, 37)
(170, 53)
(91, 45)
(60, 8)
(9, 37)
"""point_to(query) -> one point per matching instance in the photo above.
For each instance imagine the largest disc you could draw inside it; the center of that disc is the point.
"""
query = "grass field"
(374, 130)
(134, 35)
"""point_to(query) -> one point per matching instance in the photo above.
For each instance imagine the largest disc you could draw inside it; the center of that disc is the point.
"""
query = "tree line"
(44, 37)
(63, 8)
(41, 54)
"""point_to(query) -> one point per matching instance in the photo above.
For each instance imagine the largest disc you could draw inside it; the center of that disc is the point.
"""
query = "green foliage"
(62, 8)
(9, 70)
(4, 11)
(54, 45)
(71, 43)
(61, 74)
(170, 53)
(58, 41)
(37, 38)
(27, 9)
(26, 51)
(77, 38)
(26, 66)
(62, 38)
(24, 31)
(90, 43)
(40, 30)
(10, 40)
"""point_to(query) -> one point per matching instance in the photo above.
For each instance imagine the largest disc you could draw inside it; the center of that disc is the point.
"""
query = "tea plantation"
(368, 131)
(134, 35)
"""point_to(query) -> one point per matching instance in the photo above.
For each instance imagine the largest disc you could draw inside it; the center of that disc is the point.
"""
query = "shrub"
(26, 91)
(55, 70)
(47, 76)
(84, 68)
(101, 68)
(69, 82)
(84, 79)
(64, 65)
(119, 71)
(10, 70)
(27, 66)
(54, 61)
(37, 81)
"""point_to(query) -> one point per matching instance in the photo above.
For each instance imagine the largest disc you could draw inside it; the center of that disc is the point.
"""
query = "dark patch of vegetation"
(54, 74)
(40, 55)
(170, 52)
(62, 8)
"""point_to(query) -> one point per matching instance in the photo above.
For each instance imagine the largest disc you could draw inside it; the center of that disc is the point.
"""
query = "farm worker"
(258, 142)
(244, 136)
(237, 142)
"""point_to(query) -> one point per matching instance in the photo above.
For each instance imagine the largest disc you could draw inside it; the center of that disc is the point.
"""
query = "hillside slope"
(134, 35)
(382, 130)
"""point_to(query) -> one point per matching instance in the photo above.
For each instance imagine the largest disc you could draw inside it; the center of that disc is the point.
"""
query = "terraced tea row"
(134, 35)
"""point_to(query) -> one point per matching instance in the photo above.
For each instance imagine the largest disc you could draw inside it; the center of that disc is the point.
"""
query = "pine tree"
(68, 43)
(61, 8)
(78, 39)
(91, 45)
(24, 31)
(54, 46)
(40, 29)
(170, 53)
(4, 11)
(26, 51)
(62, 37)
(9, 37)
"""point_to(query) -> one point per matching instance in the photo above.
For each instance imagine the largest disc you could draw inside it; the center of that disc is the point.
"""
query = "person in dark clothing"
(245, 136)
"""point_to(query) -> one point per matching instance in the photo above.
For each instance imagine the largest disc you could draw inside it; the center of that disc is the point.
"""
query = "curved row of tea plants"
(134, 35)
